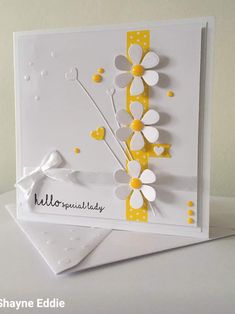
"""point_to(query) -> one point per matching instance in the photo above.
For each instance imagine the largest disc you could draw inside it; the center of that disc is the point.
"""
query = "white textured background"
(18, 15)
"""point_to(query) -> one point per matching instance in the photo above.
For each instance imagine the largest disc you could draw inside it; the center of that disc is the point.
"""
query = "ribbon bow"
(48, 168)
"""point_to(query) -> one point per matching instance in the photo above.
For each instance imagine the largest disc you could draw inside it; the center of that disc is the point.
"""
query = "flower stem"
(100, 113)
(118, 125)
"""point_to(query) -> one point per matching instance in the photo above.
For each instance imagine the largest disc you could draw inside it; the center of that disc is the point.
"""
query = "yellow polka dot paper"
(113, 126)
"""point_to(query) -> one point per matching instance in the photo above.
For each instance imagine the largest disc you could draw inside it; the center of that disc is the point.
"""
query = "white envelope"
(92, 247)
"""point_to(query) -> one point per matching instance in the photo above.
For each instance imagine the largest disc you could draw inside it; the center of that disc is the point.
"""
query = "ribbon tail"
(60, 174)
(26, 185)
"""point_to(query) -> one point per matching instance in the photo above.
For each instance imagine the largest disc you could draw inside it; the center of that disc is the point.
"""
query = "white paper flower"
(137, 70)
(135, 183)
(137, 125)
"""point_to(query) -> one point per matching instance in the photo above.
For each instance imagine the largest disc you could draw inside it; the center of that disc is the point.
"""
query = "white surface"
(63, 255)
(196, 279)
(61, 246)
(65, 100)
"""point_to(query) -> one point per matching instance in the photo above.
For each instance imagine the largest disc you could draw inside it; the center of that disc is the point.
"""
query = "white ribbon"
(47, 168)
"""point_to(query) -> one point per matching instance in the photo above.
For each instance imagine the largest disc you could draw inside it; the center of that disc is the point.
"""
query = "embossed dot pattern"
(62, 246)
(44, 73)
(27, 77)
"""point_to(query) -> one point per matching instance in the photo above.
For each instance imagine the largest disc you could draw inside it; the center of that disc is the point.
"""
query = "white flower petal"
(147, 176)
(123, 79)
(123, 133)
(149, 192)
(150, 117)
(151, 77)
(150, 60)
(121, 176)
(134, 168)
(123, 191)
(137, 86)
(150, 133)
(136, 200)
(137, 141)
(137, 110)
(122, 63)
(135, 52)
(123, 117)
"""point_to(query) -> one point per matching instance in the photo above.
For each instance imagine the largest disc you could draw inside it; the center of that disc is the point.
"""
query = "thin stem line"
(114, 155)
(118, 124)
(152, 209)
(101, 114)
(113, 104)
(129, 152)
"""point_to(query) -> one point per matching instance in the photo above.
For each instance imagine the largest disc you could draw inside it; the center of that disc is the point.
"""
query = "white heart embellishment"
(72, 74)
(159, 150)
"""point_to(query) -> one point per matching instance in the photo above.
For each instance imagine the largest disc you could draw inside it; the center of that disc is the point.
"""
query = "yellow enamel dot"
(135, 183)
(190, 204)
(137, 70)
(96, 78)
(170, 93)
(190, 212)
(76, 150)
(136, 125)
(100, 70)
(190, 221)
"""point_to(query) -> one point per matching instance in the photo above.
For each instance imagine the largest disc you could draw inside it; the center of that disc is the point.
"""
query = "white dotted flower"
(136, 184)
(138, 126)
(137, 70)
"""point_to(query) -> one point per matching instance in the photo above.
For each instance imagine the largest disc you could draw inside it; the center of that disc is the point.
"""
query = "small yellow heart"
(98, 134)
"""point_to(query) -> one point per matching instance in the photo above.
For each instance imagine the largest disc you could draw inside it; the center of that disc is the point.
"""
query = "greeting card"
(113, 126)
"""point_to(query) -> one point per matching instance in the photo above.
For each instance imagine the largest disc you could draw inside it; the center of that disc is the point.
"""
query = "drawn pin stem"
(99, 112)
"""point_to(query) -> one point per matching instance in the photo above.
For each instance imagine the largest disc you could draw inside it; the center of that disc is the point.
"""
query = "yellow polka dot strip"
(141, 38)
(159, 150)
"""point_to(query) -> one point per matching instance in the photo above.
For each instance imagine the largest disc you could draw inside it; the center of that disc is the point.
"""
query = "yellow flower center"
(137, 70)
(135, 183)
(136, 125)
